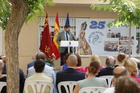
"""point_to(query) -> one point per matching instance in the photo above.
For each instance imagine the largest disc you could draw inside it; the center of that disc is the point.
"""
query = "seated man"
(70, 74)
(21, 75)
(39, 55)
(118, 72)
(39, 66)
(110, 64)
(47, 70)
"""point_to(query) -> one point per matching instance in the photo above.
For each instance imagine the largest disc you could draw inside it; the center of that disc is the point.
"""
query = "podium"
(69, 44)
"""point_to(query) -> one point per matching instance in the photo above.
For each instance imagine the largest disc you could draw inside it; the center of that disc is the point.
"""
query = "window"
(138, 40)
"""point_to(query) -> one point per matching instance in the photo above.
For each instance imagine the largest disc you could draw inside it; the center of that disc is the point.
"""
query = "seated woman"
(95, 58)
(91, 80)
(63, 67)
(120, 58)
(132, 67)
(78, 66)
(138, 63)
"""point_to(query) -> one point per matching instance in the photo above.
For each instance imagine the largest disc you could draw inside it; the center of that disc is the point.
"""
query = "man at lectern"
(65, 35)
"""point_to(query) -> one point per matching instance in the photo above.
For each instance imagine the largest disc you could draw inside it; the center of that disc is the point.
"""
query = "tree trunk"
(18, 15)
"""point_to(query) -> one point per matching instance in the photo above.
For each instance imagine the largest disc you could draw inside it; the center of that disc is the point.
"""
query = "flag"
(54, 43)
(67, 19)
(45, 45)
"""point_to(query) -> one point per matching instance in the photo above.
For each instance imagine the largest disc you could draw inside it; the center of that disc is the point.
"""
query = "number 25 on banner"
(96, 25)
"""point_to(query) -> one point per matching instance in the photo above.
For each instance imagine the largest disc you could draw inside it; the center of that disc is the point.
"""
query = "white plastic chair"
(68, 85)
(108, 78)
(2, 84)
(92, 90)
(38, 86)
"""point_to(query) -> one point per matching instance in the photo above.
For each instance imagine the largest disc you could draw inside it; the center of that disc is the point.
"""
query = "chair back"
(68, 85)
(38, 86)
(92, 90)
(108, 79)
(2, 84)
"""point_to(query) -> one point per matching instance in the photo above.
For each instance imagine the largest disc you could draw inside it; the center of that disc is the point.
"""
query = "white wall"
(0, 41)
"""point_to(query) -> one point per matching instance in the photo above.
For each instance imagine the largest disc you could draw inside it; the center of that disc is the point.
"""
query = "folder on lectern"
(69, 44)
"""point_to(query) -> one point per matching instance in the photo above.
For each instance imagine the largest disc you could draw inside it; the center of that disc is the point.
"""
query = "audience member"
(120, 58)
(2, 77)
(94, 58)
(39, 55)
(91, 80)
(78, 66)
(118, 71)
(39, 66)
(126, 84)
(110, 64)
(138, 63)
(132, 67)
(3, 57)
(47, 71)
(70, 74)
(0, 57)
(65, 66)
(21, 75)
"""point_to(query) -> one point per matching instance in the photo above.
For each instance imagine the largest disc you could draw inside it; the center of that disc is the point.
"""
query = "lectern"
(69, 44)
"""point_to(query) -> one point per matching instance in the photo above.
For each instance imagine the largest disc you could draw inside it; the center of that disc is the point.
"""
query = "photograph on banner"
(125, 41)
(111, 46)
(113, 34)
(125, 49)
(95, 37)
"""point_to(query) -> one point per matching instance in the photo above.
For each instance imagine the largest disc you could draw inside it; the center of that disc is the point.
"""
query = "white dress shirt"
(110, 90)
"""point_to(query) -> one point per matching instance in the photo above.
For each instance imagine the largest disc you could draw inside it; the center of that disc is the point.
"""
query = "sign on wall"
(95, 37)
(0, 41)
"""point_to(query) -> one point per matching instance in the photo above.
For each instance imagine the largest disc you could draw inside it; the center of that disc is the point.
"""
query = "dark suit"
(3, 90)
(105, 71)
(21, 78)
(30, 64)
(70, 74)
(64, 50)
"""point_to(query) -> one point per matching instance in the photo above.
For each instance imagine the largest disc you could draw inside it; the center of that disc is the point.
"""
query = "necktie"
(67, 36)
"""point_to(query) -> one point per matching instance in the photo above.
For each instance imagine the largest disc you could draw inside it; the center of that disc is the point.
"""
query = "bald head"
(72, 60)
(120, 71)
(110, 61)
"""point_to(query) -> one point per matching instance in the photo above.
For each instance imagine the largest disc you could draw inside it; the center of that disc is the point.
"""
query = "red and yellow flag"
(45, 45)
(54, 43)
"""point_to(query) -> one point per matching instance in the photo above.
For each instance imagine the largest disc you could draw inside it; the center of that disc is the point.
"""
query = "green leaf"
(36, 8)
(129, 12)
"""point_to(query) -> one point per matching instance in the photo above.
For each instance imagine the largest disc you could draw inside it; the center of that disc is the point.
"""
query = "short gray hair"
(110, 61)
